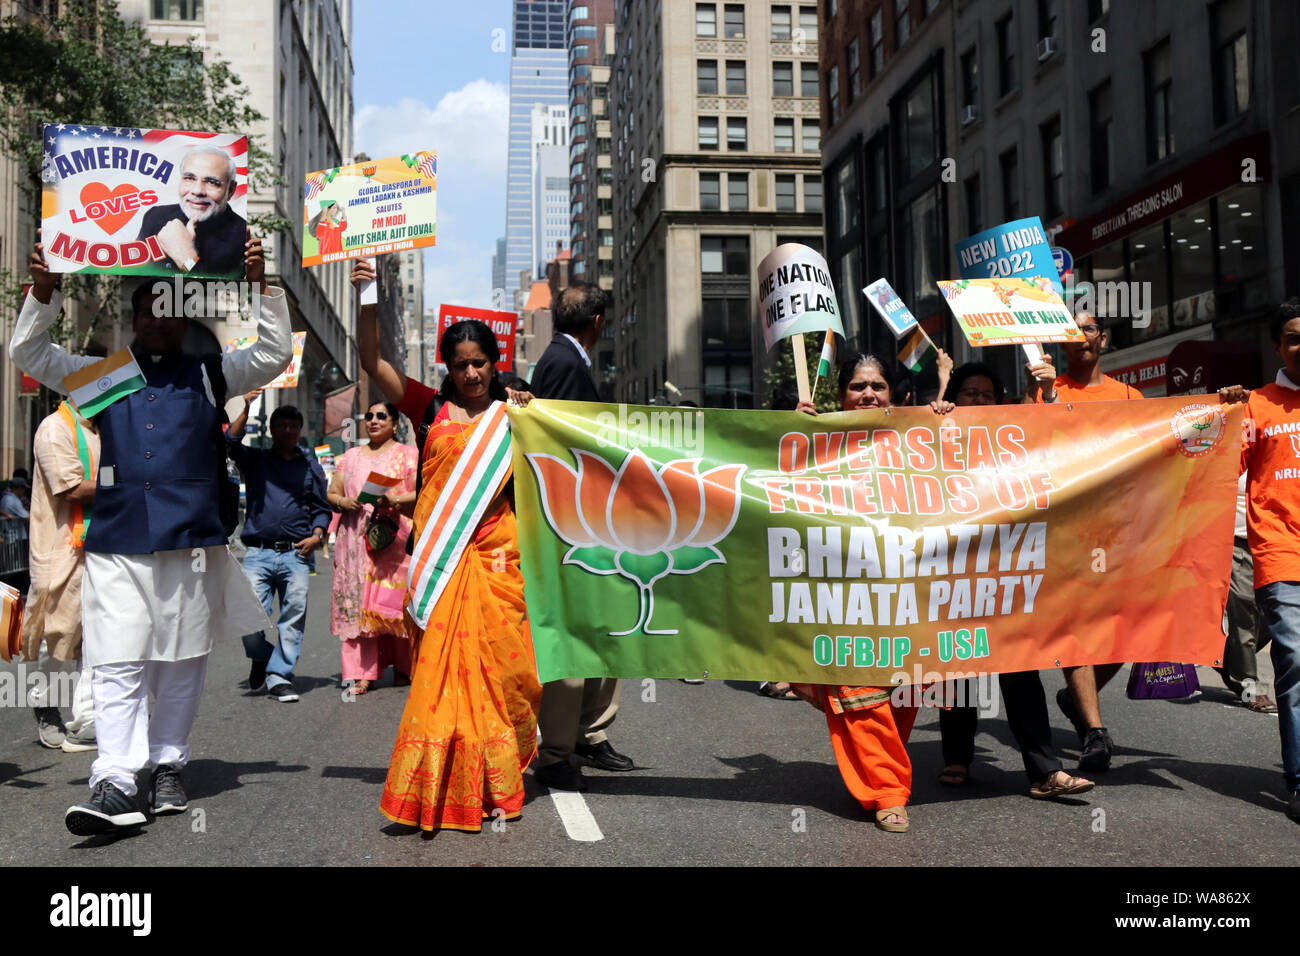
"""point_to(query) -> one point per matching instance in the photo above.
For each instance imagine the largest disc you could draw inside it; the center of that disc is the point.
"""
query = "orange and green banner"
(873, 547)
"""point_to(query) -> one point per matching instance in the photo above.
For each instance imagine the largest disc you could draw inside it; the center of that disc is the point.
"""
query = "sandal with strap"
(1059, 784)
(954, 775)
(359, 687)
(899, 826)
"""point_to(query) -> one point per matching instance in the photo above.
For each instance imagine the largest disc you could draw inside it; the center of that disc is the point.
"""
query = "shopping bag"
(1162, 680)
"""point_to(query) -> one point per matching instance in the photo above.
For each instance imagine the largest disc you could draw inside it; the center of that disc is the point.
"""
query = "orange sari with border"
(470, 724)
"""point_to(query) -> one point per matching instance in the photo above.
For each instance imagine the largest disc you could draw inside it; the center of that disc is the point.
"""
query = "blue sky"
(436, 74)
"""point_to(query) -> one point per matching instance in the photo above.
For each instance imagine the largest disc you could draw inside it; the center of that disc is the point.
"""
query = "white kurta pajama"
(151, 619)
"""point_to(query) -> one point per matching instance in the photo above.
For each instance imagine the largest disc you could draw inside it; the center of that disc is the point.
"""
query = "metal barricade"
(13, 548)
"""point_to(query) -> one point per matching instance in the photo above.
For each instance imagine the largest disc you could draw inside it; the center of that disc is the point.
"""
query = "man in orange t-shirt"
(1082, 381)
(1270, 458)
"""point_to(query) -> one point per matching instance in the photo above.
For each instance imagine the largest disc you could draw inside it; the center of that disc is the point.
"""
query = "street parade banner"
(502, 324)
(1009, 311)
(144, 201)
(1016, 249)
(873, 547)
(370, 208)
(289, 377)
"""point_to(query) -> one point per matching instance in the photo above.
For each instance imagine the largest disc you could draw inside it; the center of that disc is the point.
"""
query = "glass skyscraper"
(538, 74)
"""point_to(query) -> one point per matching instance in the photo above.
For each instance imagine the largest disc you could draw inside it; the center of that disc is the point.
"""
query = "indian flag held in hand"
(917, 349)
(376, 487)
(97, 386)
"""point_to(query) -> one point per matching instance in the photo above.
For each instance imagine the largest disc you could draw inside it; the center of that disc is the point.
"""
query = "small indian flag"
(97, 386)
(828, 356)
(324, 451)
(376, 487)
(916, 350)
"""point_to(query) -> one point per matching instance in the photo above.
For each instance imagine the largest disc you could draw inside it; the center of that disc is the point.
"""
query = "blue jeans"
(1280, 604)
(284, 575)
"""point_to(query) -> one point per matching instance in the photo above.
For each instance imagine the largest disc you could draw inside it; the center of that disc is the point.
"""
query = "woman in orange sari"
(868, 729)
(470, 724)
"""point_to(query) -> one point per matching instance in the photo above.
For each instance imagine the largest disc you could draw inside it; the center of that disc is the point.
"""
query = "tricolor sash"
(483, 468)
(80, 512)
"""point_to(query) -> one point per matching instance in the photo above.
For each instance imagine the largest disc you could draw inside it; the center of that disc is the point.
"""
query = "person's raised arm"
(945, 366)
(250, 368)
(31, 350)
(391, 380)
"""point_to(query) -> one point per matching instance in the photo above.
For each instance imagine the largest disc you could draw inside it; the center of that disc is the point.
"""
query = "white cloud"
(468, 127)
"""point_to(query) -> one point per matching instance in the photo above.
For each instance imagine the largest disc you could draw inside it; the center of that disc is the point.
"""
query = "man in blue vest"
(160, 585)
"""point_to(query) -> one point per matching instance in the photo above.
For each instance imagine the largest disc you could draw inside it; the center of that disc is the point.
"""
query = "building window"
(902, 22)
(1097, 9)
(710, 195)
(812, 136)
(1046, 18)
(855, 72)
(190, 10)
(1049, 135)
(812, 194)
(734, 25)
(808, 79)
(877, 44)
(1159, 84)
(833, 93)
(735, 77)
(974, 220)
(1009, 167)
(783, 135)
(781, 23)
(919, 144)
(785, 193)
(737, 132)
(783, 79)
(808, 24)
(738, 192)
(1102, 137)
(706, 77)
(708, 132)
(1231, 65)
(1006, 55)
(706, 20)
(970, 79)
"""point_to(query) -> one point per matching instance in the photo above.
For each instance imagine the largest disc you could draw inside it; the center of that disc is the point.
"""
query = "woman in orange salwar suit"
(470, 724)
(868, 730)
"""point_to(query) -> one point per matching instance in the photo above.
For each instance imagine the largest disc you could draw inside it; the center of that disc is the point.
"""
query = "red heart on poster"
(110, 209)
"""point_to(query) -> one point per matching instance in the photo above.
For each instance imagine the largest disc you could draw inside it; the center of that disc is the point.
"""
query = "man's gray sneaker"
(284, 693)
(109, 810)
(78, 741)
(49, 727)
(166, 794)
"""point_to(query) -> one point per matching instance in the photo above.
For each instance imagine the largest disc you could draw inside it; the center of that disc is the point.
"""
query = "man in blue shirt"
(285, 520)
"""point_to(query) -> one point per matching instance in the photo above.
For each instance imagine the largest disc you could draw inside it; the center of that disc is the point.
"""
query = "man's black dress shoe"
(561, 776)
(604, 756)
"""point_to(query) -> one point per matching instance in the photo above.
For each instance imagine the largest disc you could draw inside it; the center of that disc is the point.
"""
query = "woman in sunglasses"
(470, 724)
(370, 560)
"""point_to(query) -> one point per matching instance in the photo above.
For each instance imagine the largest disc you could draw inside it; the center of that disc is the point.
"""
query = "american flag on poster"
(315, 183)
(428, 165)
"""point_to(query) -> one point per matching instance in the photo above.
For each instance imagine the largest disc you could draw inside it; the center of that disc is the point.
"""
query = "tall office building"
(717, 162)
(591, 45)
(499, 274)
(550, 184)
(418, 346)
(538, 72)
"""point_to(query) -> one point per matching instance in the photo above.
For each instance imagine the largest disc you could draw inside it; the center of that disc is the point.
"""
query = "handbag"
(11, 622)
(381, 531)
(1162, 680)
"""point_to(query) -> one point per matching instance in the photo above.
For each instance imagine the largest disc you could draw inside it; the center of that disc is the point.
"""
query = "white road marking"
(578, 822)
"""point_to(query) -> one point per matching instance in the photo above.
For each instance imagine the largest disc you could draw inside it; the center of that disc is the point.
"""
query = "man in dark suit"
(575, 711)
(201, 233)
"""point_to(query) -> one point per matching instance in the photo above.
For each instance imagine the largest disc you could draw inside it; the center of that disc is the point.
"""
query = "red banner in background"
(502, 324)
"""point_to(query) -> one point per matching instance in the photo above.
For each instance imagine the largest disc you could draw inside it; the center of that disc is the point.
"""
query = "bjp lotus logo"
(1198, 428)
(637, 522)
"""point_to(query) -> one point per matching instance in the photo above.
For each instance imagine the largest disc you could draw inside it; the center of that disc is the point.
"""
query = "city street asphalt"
(724, 777)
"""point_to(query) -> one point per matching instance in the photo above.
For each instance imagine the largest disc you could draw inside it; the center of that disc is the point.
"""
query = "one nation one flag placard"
(376, 487)
(97, 386)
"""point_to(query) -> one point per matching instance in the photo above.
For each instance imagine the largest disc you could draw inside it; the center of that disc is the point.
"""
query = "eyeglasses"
(377, 416)
(1090, 329)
